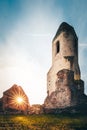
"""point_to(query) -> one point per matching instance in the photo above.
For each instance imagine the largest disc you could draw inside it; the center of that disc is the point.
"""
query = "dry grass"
(43, 122)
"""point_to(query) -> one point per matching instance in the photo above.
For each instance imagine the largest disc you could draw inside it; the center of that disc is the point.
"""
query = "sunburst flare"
(17, 99)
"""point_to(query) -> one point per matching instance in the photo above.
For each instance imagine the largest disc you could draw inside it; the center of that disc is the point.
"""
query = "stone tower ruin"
(64, 85)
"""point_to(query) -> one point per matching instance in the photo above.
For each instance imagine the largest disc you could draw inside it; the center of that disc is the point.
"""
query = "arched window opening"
(58, 47)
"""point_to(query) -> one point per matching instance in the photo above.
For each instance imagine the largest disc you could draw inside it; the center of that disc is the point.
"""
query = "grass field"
(43, 122)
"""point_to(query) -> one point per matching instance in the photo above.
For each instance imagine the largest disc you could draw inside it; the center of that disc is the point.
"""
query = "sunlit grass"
(43, 122)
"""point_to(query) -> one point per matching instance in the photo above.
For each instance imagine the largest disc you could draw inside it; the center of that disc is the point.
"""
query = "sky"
(27, 28)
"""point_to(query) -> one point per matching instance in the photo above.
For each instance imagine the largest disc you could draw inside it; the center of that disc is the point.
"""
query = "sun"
(19, 100)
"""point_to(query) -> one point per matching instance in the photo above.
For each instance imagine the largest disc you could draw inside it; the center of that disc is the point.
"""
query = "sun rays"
(16, 98)
(19, 100)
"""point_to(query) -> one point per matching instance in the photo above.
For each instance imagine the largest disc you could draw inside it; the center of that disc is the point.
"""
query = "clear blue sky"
(27, 28)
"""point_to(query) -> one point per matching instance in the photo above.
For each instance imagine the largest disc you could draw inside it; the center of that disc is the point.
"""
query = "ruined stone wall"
(10, 101)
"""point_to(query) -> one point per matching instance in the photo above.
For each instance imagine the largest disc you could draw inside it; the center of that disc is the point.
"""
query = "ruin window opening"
(58, 46)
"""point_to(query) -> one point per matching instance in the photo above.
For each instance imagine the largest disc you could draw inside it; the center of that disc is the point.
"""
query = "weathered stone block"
(65, 93)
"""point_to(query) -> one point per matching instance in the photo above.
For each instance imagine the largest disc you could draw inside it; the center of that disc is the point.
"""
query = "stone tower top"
(65, 27)
(65, 50)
